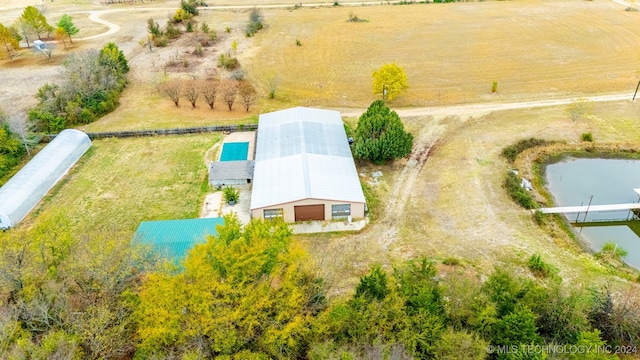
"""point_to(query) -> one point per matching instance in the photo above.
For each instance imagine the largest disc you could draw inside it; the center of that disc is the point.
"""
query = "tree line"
(225, 90)
(30, 25)
(251, 293)
(91, 87)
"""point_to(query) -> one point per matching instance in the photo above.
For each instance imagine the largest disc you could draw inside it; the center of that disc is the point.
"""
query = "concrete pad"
(328, 226)
(212, 205)
(243, 136)
(241, 208)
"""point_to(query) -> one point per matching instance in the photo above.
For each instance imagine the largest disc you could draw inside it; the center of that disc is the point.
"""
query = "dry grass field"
(446, 200)
(451, 53)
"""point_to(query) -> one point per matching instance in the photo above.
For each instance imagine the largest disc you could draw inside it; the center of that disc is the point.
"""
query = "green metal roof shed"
(174, 238)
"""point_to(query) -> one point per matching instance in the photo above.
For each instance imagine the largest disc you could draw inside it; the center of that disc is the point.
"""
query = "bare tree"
(209, 89)
(173, 89)
(248, 94)
(192, 92)
(229, 90)
(20, 125)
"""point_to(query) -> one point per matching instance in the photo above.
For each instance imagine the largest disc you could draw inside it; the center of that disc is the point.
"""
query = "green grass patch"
(373, 201)
(121, 182)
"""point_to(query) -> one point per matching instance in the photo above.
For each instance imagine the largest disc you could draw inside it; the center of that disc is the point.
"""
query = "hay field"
(451, 52)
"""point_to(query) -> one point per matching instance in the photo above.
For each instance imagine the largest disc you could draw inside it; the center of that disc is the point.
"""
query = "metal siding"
(174, 238)
(303, 153)
(309, 212)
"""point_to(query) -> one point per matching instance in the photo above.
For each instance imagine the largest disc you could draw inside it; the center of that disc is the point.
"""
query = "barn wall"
(357, 209)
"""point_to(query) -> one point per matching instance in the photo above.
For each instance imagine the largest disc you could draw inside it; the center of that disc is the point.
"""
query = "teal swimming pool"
(233, 151)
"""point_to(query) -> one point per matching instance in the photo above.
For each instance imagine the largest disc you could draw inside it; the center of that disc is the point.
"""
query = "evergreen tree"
(380, 135)
(66, 24)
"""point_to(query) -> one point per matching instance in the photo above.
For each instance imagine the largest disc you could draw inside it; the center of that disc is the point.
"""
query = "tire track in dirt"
(425, 143)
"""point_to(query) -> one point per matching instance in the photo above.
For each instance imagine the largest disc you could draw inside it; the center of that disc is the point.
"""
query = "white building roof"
(26, 188)
(303, 153)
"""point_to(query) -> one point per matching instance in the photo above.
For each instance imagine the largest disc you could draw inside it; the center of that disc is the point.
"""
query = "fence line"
(156, 132)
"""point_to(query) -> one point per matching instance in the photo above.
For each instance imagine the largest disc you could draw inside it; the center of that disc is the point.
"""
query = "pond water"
(609, 181)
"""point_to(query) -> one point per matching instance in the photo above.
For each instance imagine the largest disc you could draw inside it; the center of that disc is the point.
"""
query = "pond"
(602, 181)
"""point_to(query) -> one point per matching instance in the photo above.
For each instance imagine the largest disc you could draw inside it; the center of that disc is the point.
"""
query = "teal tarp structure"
(174, 238)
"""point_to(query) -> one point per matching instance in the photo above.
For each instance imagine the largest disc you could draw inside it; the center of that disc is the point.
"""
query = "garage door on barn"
(309, 212)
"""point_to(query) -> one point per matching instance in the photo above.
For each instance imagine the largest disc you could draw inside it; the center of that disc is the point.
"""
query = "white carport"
(26, 188)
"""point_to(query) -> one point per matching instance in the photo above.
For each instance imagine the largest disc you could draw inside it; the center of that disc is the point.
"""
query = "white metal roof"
(25, 189)
(303, 153)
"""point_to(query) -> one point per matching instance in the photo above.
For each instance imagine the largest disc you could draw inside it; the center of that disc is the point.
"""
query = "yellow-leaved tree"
(8, 43)
(245, 292)
(390, 81)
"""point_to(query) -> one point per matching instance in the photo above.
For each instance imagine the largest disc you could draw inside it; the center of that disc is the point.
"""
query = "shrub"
(611, 250)
(494, 87)
(204, 27)
(198, 51)
(189, 6)
(154, 28)
(228, 62)
(517, 192)
(230, 194)
(511, 152)
(172, 31)
(587, 137)
(538, 267)
(539, 217)
(451, 261)
(298, 43)
(227, 29)
(238, 74)
(354, 18)
(181, 15)
(255, 22)
(189, 27)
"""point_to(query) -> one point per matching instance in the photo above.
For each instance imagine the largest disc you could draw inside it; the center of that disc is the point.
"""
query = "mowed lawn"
(120, 182)
(451, 52)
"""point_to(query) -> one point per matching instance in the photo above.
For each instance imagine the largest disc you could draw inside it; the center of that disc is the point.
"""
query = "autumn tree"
(209, 90)
(25, 29)
(61, 34)
(245, 291)
(93, 82)
(36, 21)
(229, 91)
(8, 43)
(380, 135)
(390, 81)
(67, 27)
(67, 297)
(173, 89)
(191, 92)
(248, 94)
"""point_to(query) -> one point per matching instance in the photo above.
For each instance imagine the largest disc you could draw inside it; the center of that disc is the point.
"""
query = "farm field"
(446, 200)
